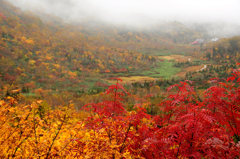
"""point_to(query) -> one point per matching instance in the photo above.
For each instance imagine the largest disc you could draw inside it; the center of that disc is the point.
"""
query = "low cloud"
(137, 12)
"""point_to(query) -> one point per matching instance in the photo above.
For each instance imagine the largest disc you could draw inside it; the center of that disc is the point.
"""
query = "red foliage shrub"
(189, 127)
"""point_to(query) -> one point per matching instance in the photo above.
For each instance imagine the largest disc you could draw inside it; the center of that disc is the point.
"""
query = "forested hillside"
(37, 53)
(34, 53)
(224, 50)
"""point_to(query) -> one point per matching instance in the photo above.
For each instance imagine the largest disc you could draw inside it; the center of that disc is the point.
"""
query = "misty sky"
(138, 12)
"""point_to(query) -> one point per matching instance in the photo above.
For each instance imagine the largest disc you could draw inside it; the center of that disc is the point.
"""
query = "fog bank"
(137, 12)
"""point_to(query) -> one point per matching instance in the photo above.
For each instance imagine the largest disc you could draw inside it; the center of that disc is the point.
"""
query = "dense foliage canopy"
(188, 126)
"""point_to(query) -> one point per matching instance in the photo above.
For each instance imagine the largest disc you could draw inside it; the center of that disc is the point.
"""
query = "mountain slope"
(35, 54)
(50, 54)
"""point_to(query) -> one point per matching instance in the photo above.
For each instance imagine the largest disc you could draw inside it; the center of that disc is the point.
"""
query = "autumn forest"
(101, 90)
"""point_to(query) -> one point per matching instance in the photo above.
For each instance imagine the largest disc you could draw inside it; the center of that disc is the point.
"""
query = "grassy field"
(164, 69)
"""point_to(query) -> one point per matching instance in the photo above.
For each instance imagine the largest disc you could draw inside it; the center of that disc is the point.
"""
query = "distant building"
(198, 42)
(214, 39)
